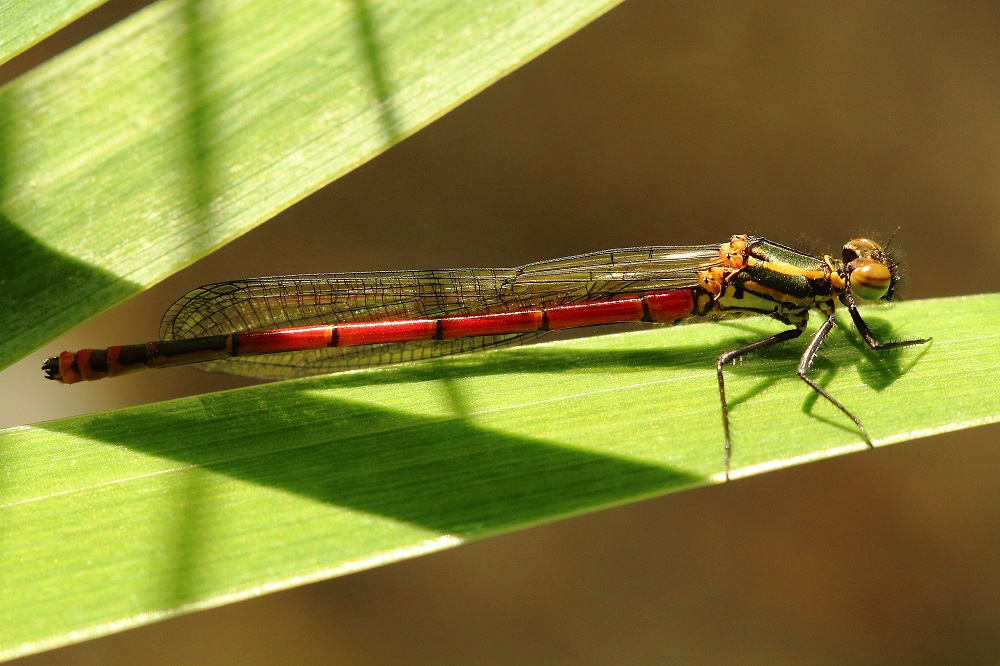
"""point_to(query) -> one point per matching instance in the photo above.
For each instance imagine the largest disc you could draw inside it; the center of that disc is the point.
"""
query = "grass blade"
(26, 22)
(192, 121)
(117, 519)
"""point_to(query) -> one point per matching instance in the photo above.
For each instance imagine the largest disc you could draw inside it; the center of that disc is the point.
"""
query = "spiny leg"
(734, 354)
(807, 360)
(866, 333)
(810, 355)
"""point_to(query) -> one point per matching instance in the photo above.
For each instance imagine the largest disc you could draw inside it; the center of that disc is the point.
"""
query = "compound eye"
(860, 247)
(870, 280)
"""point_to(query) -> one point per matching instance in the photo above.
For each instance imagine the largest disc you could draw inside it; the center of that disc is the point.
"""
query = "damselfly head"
(871, 275)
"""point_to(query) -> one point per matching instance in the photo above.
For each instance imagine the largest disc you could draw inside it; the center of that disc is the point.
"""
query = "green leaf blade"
(190, 123)
(27, 22)
(120, 518)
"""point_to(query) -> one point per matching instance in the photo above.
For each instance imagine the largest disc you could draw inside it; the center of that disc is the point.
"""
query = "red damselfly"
(282, 327)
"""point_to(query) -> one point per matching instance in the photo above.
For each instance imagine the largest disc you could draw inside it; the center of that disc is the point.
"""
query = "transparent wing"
(307, 300)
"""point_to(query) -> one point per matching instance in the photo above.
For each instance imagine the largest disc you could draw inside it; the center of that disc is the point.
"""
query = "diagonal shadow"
(34, 310)
(410, 467)
(442, 473)
(34, 277)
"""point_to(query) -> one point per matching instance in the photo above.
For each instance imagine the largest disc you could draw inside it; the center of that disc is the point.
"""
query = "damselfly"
(281, 327)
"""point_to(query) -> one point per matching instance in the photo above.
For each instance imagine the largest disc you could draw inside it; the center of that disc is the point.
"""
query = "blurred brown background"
(661, 123)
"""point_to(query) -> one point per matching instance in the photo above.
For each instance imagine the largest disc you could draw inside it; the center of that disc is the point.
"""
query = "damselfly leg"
(808, 356)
